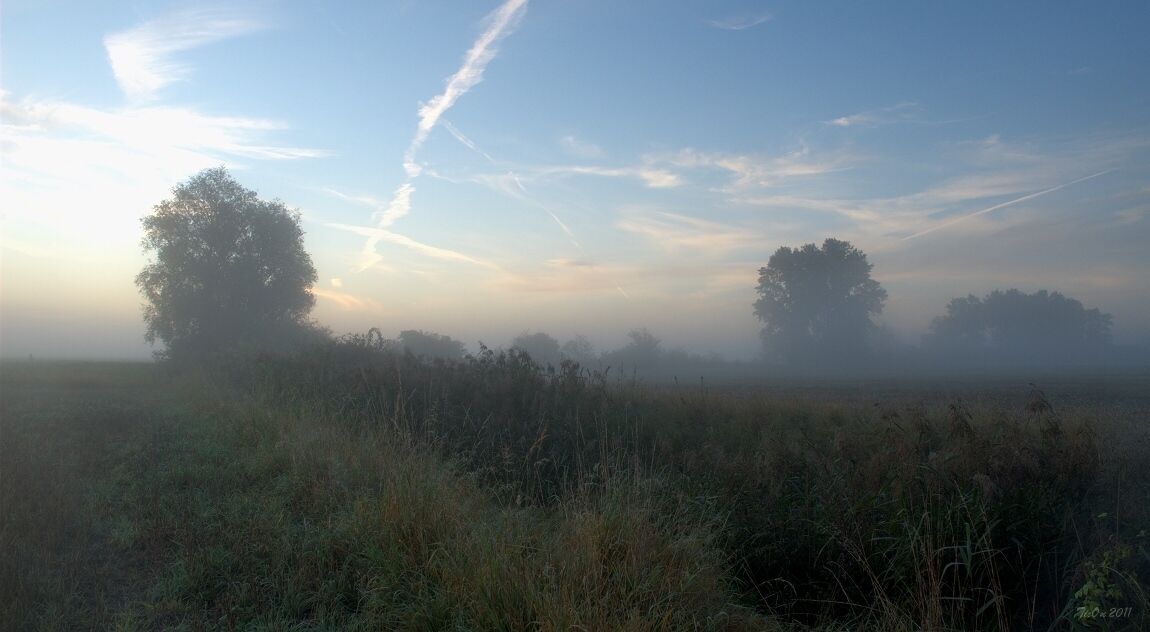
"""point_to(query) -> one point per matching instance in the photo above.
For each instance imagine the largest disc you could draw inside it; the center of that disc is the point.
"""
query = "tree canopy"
(644, 352)
(579, 349)
(817, 303)
(229, 267)
(432, 345)
(543, 348)
(1017, 327)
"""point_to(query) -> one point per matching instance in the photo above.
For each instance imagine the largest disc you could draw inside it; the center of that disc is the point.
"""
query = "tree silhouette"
(644, 352)
(542, 347)
(1016, 327)
(229, 267)
(579, 349)
(432, 345)
(817, 303)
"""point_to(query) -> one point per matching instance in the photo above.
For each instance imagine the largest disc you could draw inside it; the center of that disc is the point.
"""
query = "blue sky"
(481, 169)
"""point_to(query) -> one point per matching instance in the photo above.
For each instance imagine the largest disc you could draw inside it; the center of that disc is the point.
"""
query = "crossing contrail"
(998, 206)
(501, 22)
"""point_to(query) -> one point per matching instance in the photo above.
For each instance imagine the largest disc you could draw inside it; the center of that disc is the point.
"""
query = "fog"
(678, 353)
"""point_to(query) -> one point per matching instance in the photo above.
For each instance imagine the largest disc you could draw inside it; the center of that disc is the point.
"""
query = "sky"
(483, 169)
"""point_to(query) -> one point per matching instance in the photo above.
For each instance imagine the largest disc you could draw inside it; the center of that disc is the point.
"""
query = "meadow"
(354, 487)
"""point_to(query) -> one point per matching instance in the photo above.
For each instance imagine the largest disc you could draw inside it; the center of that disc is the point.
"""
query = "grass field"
(351, 488)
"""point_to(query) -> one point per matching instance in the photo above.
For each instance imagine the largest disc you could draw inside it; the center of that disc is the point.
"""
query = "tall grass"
(355, 487)
(960, 515)
(286, 513)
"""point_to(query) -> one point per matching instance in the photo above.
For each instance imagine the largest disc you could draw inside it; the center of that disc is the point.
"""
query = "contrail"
(465, 140)
(502, 21)
(500, 24)
(526, 197)
(998, 206)
(376, 235)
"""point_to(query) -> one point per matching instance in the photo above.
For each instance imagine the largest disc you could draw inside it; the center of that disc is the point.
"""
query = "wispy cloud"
(400, 205)
(151, 129)
(348, 302)
(673, 231)
(752, 171)
(92, 173)
(663, 280)
(141, 57)
(580, 148)
(370, 257)
(465, 140)
(988, 175)
(875, 117)
(741, 22)
(575, 276)
(952, 222)
(500, 23)
(653, 177)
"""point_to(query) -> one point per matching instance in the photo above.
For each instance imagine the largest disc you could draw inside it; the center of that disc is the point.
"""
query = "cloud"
(92, 173)
(988, 175)
(751, 171)
(874, 117)
(375, 235)
(400, 205)
(580, 148)
(854, 119)
(465, 140)
(673, 232)
(500, 23)
(366, 200)
(503, 182)
(141, 56)
(152, 130)
(741, 22)
(567, 277)
(653, 177)
(1024, 198)
(569, 263)
(348, 302)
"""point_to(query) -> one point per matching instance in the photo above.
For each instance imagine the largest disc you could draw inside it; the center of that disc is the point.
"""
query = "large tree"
(1016, 327)
(817, 303)
(229, 267)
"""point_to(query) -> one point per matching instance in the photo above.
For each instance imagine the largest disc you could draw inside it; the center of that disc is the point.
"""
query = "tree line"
(231, 269)
(817, 305)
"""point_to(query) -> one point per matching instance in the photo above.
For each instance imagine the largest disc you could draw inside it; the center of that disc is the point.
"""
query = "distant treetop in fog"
(1016, 327)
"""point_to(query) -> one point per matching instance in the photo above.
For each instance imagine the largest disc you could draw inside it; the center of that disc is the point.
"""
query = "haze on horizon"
(482, 170)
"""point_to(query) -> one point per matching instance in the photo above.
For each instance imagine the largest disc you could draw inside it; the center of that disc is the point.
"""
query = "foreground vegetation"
(355, 487)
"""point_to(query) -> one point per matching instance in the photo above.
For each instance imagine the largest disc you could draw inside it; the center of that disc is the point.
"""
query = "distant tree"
(1017, 327)
(542, 348)
(579, 349)
(229, 267)
(431, 345)
(817, 303)
(645, 351)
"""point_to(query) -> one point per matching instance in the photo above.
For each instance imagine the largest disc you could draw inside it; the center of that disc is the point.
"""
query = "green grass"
(235, 511)
(355, 489)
